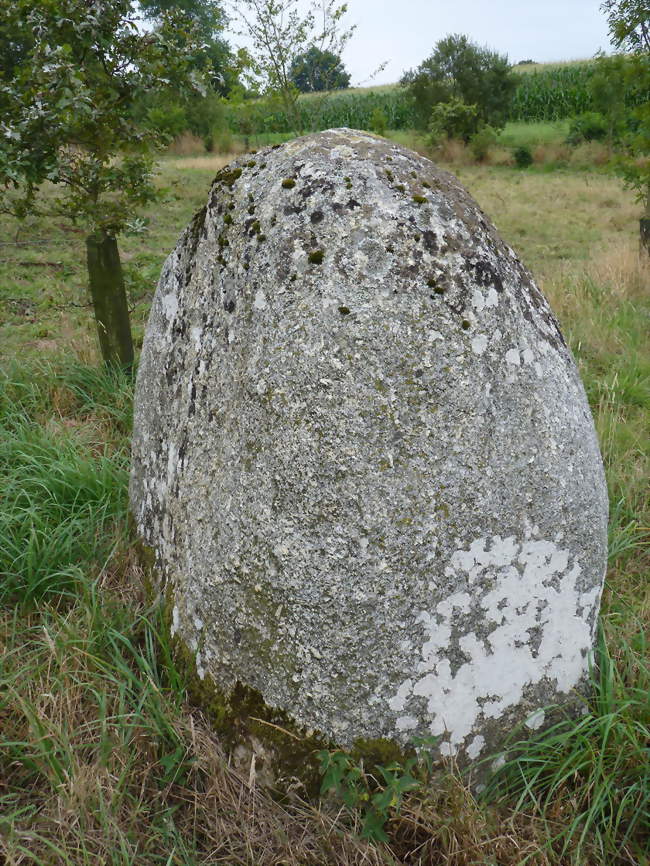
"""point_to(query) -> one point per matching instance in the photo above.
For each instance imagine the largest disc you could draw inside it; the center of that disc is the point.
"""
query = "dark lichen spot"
(431, 283)
(316, 257)
(426, 185)
(251, 164)
(389, 175)
(317, 216)
(251, 209)
(229, 305)
(227, 219)
(352, 204)
(389, 159)
(400, 187)
(293, 278)
(414, 174)
(222, 241)
(465, 325)
(273, 220)
(261, 238)
(419, 199)
(231, 206)
(288, 183)
(263, 165)
(344, 311)
(275, 146)
(439, 290)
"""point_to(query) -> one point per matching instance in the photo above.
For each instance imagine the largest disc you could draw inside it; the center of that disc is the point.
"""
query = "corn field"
(347, 108)
(554, 93)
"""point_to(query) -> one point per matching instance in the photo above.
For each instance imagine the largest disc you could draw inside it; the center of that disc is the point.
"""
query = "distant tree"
(67, 120)
(629, 28)
(464, 71)
(279, 31)
(317, 70)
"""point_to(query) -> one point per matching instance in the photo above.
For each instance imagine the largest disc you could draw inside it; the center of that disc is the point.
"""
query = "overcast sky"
(403, 32)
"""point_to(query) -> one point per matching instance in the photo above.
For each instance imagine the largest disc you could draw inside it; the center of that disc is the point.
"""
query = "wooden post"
(109, 300)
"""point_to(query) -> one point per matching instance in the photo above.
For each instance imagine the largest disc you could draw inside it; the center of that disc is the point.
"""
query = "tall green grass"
(63, 479)
(589, 778)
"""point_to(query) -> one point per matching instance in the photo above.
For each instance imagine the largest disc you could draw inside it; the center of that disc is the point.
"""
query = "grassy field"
(102, 758)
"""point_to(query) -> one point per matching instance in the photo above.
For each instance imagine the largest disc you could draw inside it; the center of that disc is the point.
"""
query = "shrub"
(379, 122)
(168, 119)
(523, 156)
(453, 119)
(588, 126)
(481, 142)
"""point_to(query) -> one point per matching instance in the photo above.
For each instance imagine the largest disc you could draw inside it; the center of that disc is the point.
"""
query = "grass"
(103, 761)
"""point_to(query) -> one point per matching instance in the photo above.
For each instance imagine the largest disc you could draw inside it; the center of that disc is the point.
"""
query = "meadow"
(103, 757)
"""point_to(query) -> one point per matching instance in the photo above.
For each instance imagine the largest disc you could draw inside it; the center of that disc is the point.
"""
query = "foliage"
(318, 70)
(377, 796)
(66, 112)
(279, 34)
(590, 126)
(523, 156)
(459, 69)
(629, 24)
(481, 142)
(453, 119)
(211, 55)
(379, 122)
(629, 27)
(67, 118)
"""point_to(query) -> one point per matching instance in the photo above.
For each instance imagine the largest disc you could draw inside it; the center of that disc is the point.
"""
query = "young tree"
(66, 119)
(629, 29)
(317, 70)
(278, 34)
(458, 69)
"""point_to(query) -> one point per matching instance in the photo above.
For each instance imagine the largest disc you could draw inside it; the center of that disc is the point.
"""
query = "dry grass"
(206, 162)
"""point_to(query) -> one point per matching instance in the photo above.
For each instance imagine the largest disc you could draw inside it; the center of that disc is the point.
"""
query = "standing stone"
(363, 455)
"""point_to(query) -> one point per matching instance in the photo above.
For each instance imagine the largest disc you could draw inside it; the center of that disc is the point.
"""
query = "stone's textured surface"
(363, 454)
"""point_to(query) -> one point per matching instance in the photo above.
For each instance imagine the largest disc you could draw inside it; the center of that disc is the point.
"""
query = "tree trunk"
(109, 300)
(644, 225)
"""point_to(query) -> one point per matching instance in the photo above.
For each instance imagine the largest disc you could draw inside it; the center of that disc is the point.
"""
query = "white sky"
(403, 32)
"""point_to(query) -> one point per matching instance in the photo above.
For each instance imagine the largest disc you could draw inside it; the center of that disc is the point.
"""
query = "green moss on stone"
(419, 199)
(228, 176)
(316, 257)
(288, 183)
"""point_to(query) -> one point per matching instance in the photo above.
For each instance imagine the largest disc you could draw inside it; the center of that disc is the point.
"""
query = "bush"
(588, 126)
(169, 119)
(481, 142)
(453, 119)
(379, 122)
(523, 156)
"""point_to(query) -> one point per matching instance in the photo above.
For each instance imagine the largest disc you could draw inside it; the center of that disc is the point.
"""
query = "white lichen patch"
(534, 623)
